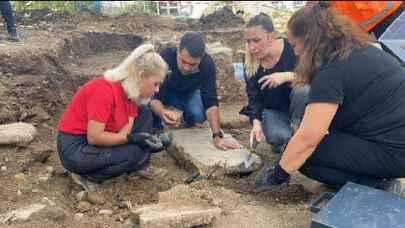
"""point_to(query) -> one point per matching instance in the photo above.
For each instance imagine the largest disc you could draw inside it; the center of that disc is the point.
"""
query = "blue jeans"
(277, 123)
(191, 105)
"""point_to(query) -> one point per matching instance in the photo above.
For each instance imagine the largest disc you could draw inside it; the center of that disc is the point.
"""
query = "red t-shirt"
(101, 101)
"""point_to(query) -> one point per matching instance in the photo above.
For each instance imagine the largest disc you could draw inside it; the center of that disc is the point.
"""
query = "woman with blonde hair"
(353, 128)
(105, 131)
(274, 106)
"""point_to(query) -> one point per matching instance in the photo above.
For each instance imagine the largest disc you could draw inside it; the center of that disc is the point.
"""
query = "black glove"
(146, 141)
(166, 139)
(271, 177)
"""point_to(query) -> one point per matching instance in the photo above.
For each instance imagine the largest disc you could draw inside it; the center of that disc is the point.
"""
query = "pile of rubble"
(229, 89)
(221, 18)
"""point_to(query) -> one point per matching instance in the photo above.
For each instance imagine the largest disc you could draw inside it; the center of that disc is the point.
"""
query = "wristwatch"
(219, 134)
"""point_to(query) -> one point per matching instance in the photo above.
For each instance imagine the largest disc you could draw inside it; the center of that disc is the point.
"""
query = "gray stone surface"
(170, 215)
(17, 133)
(21, 214)
(180, 207)
(193, 148)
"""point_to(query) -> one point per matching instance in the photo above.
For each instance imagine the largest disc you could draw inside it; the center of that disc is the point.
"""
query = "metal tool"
(192, 177)
(249, 160)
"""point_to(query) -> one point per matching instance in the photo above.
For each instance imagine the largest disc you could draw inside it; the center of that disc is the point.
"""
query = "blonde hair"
(142, 63)
(264, 21)
(252, 64)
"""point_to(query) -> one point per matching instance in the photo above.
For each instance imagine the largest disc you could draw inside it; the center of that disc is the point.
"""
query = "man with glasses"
(191, 87)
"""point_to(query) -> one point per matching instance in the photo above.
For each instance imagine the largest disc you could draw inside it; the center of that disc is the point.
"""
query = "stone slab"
(176, 215)
(180, 207)
(17, 133)
(193, 149)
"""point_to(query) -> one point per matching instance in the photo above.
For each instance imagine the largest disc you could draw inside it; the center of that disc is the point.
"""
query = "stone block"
(193, 149)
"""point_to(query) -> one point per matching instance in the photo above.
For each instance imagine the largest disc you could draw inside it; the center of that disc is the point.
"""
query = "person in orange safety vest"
(373, 17)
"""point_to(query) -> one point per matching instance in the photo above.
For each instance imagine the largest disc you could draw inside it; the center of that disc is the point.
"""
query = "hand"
(256, 132)
(226, 143)
(169, 117)
(271, 177)
(146, 140)
(274, 80)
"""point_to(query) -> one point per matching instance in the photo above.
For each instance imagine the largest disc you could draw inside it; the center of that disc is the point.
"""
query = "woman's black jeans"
(341, 157)
(97, 163)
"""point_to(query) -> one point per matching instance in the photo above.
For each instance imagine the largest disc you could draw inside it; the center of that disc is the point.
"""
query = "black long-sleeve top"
(274, 98)
(179, 84)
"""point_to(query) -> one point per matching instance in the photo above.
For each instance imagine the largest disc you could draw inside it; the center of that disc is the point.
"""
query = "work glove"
(146, 141)
(166, 139)
(271, 177)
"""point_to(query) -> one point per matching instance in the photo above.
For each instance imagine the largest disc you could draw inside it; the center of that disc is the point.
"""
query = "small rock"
(4, 168)
(19, 193)
(19, 178)
(81, 196)
(17, 133)
(105, 212)
(21, 214)
(55, 213)
(125, 214)
(35, 190)
(50, 170)
(78, 216)
(83, 206)
(46, 200)
(130, 223)
(44, 178)
(95, 198)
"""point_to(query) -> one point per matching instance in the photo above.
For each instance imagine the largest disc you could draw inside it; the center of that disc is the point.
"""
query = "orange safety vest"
(367, 14)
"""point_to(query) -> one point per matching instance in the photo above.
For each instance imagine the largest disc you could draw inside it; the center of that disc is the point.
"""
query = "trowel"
(249, 160)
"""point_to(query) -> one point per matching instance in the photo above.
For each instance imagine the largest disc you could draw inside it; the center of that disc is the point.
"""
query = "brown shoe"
(151, 172)
(87, 185)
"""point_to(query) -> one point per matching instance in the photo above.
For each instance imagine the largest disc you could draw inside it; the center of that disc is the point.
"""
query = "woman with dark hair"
(353, 128)
(273, 105)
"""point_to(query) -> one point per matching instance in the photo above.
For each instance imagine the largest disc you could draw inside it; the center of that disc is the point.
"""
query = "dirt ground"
(38, 76)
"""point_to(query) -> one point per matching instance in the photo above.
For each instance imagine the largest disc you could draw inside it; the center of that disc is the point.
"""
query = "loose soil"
(38, 76)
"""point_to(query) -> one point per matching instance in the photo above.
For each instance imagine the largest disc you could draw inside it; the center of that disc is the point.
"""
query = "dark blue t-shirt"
(180, 84)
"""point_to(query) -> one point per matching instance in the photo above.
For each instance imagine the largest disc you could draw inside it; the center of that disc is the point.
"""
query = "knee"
(138, 157)
(278, 137)
(196, 113)
(198, 117)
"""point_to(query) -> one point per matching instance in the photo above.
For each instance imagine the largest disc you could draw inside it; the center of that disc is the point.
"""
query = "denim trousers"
(191, 105)
(276, 124)
(7, 12)
(99, 163)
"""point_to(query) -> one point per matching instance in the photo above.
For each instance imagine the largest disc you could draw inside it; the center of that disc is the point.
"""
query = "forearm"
(128, 127)
(157, 107)
(297, 152)
(214, 119)
(107, 139)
